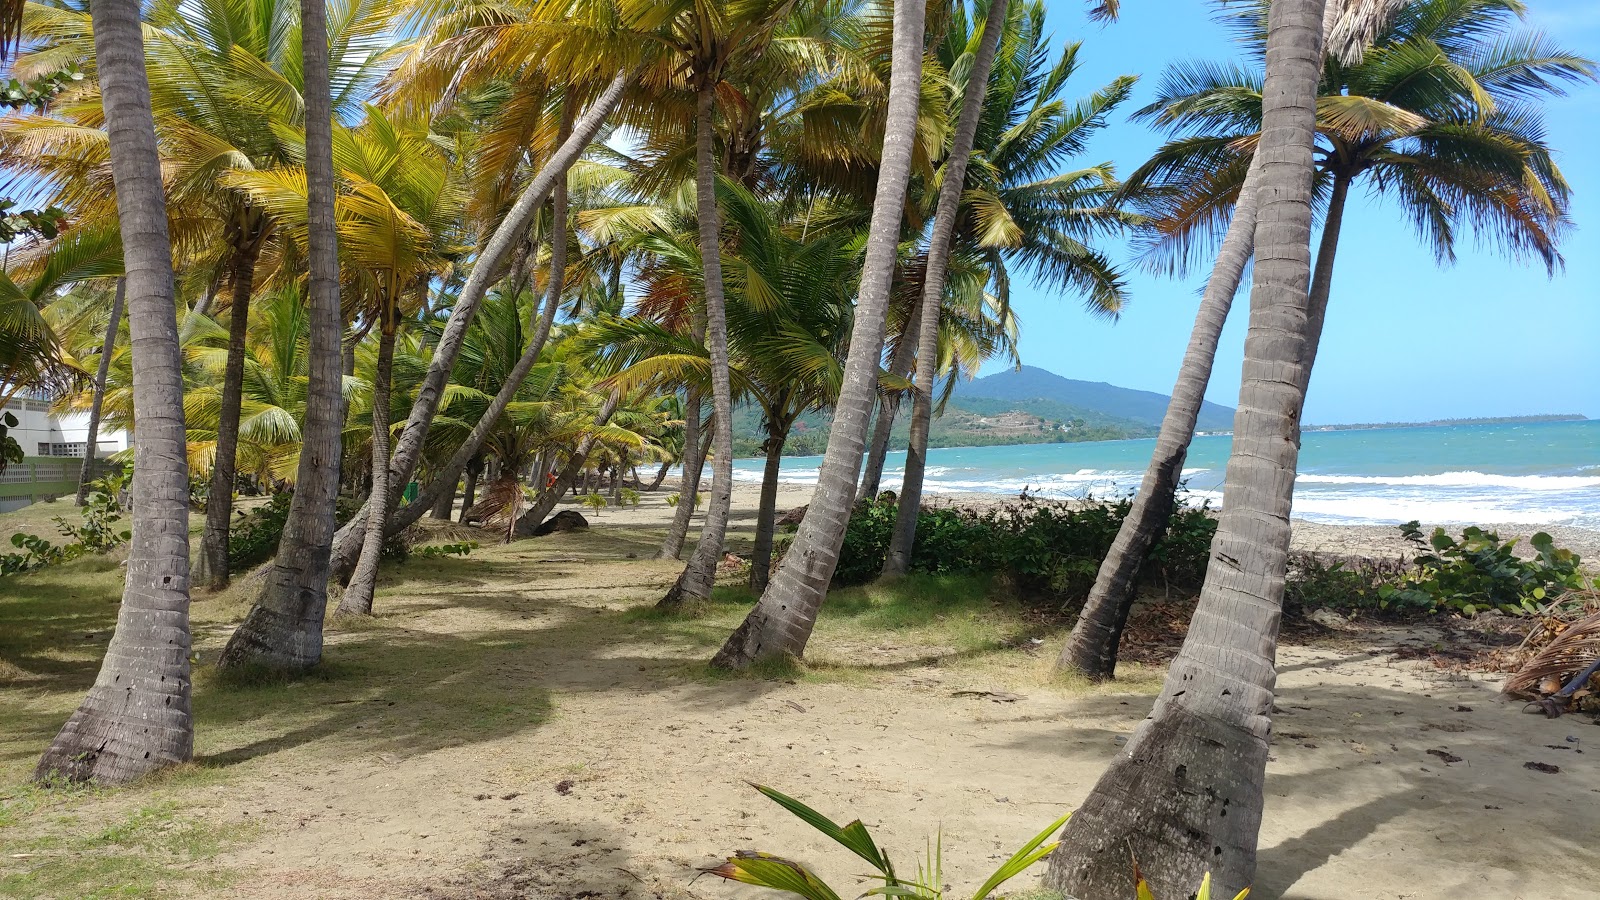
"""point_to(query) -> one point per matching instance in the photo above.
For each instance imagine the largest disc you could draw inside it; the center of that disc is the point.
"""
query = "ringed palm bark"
(782, 621)
(1418, 111)
(92, 441)
(1185, 796)
(485, 271)
(939, 245)
(136, 718)
(283, 630)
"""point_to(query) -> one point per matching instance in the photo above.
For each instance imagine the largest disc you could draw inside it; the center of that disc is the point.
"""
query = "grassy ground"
(445, 664)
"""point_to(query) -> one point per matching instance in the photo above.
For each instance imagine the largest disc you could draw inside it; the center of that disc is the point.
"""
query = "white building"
(53, 445)
(41, 434)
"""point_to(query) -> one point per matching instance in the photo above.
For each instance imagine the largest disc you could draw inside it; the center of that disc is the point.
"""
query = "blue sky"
(1405, 339)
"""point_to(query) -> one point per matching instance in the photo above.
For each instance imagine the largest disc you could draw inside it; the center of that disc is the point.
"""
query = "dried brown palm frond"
(502, 504)
(1574, 649)
(1351, 26)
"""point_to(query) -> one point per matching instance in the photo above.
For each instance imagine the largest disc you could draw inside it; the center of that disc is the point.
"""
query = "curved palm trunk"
(284, 628)
(661, 475)
(1092, 648)
(486, 270)
(446, 503)
(444, 482)
(136, 718)
(944, 229)
(700, 575)
(1322, 277)
(888, 408)
(782, 621)
(92, 441)
(694, 462)
(213, 562)
(357, 599)
(1185, 795)
(767, 514)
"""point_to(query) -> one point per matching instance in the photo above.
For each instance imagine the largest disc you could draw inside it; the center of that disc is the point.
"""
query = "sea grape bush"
(1049, 551)
(95, 531)
(1479, 572)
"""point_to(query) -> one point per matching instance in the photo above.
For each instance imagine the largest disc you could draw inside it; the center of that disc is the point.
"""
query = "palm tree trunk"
(889, 407)
(136, 718)
(767, 514)
(944, 229)
(1322, 276)
(444, 482)
(1092, 649)
(284, 629)
(700, 575)
(213, 563)
(470, 491)
(1185, 795)
(357, 599)
(445, 503)
(782, 621)
(694, 462)
(661, 475)
(92, 441)
(484, 273)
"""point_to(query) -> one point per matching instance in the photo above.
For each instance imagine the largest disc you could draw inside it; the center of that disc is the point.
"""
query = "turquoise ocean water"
(1546, 473)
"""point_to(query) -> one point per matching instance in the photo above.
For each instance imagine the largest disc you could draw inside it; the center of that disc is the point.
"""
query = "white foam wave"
(1465, 479)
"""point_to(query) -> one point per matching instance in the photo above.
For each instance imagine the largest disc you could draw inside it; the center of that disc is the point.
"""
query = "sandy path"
(634, 777)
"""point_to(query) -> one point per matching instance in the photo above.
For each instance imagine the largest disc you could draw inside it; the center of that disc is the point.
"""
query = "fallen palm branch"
(1563, 665)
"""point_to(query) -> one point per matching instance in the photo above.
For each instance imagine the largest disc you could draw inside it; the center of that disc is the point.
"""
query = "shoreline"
(1340, 539)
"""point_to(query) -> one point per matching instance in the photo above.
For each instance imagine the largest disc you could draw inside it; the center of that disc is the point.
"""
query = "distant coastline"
(1443, 423)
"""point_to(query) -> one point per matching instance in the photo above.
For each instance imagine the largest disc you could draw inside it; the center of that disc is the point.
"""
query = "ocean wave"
(1464, 479)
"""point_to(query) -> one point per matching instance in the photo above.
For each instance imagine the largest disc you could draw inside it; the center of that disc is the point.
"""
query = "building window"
(74, 449)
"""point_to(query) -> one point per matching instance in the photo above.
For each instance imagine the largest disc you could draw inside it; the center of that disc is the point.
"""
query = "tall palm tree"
(1019, 209)
(1439, 115)
(136, 718)
(283, 630)
(91, 441)
(1185, 795)
(788, 317)
(782, 620)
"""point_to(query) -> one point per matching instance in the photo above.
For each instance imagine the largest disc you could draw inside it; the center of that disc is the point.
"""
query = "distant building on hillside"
(53, 445)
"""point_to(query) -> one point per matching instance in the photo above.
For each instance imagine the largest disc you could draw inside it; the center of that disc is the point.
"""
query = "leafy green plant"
(253, 539)
(1479, 572)
(435, 551)
(10, 450)
(595, 502)
(94, 532)
(766, 870)
(629, 497)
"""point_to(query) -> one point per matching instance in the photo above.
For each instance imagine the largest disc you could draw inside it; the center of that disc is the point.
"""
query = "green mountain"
(1044, 393)
(1025, 406)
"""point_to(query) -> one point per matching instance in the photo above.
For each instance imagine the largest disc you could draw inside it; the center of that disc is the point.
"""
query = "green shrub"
(434, 551)
(1049, 551)
(95, 531)
(253, 538)
(1480, 572)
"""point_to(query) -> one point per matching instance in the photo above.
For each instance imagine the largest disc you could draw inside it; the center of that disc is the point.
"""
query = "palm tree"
(781, 622)
(1018, 207)
(1185, 795)
(788, 317)
(1438, 115)
(283, 630)
(91, 441)
(136, 718)
(486, 270)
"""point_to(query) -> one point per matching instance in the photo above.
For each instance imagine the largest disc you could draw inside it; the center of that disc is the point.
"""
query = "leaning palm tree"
(1439, 115)
(136, 718)
(1185, 795)
(781, 622)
